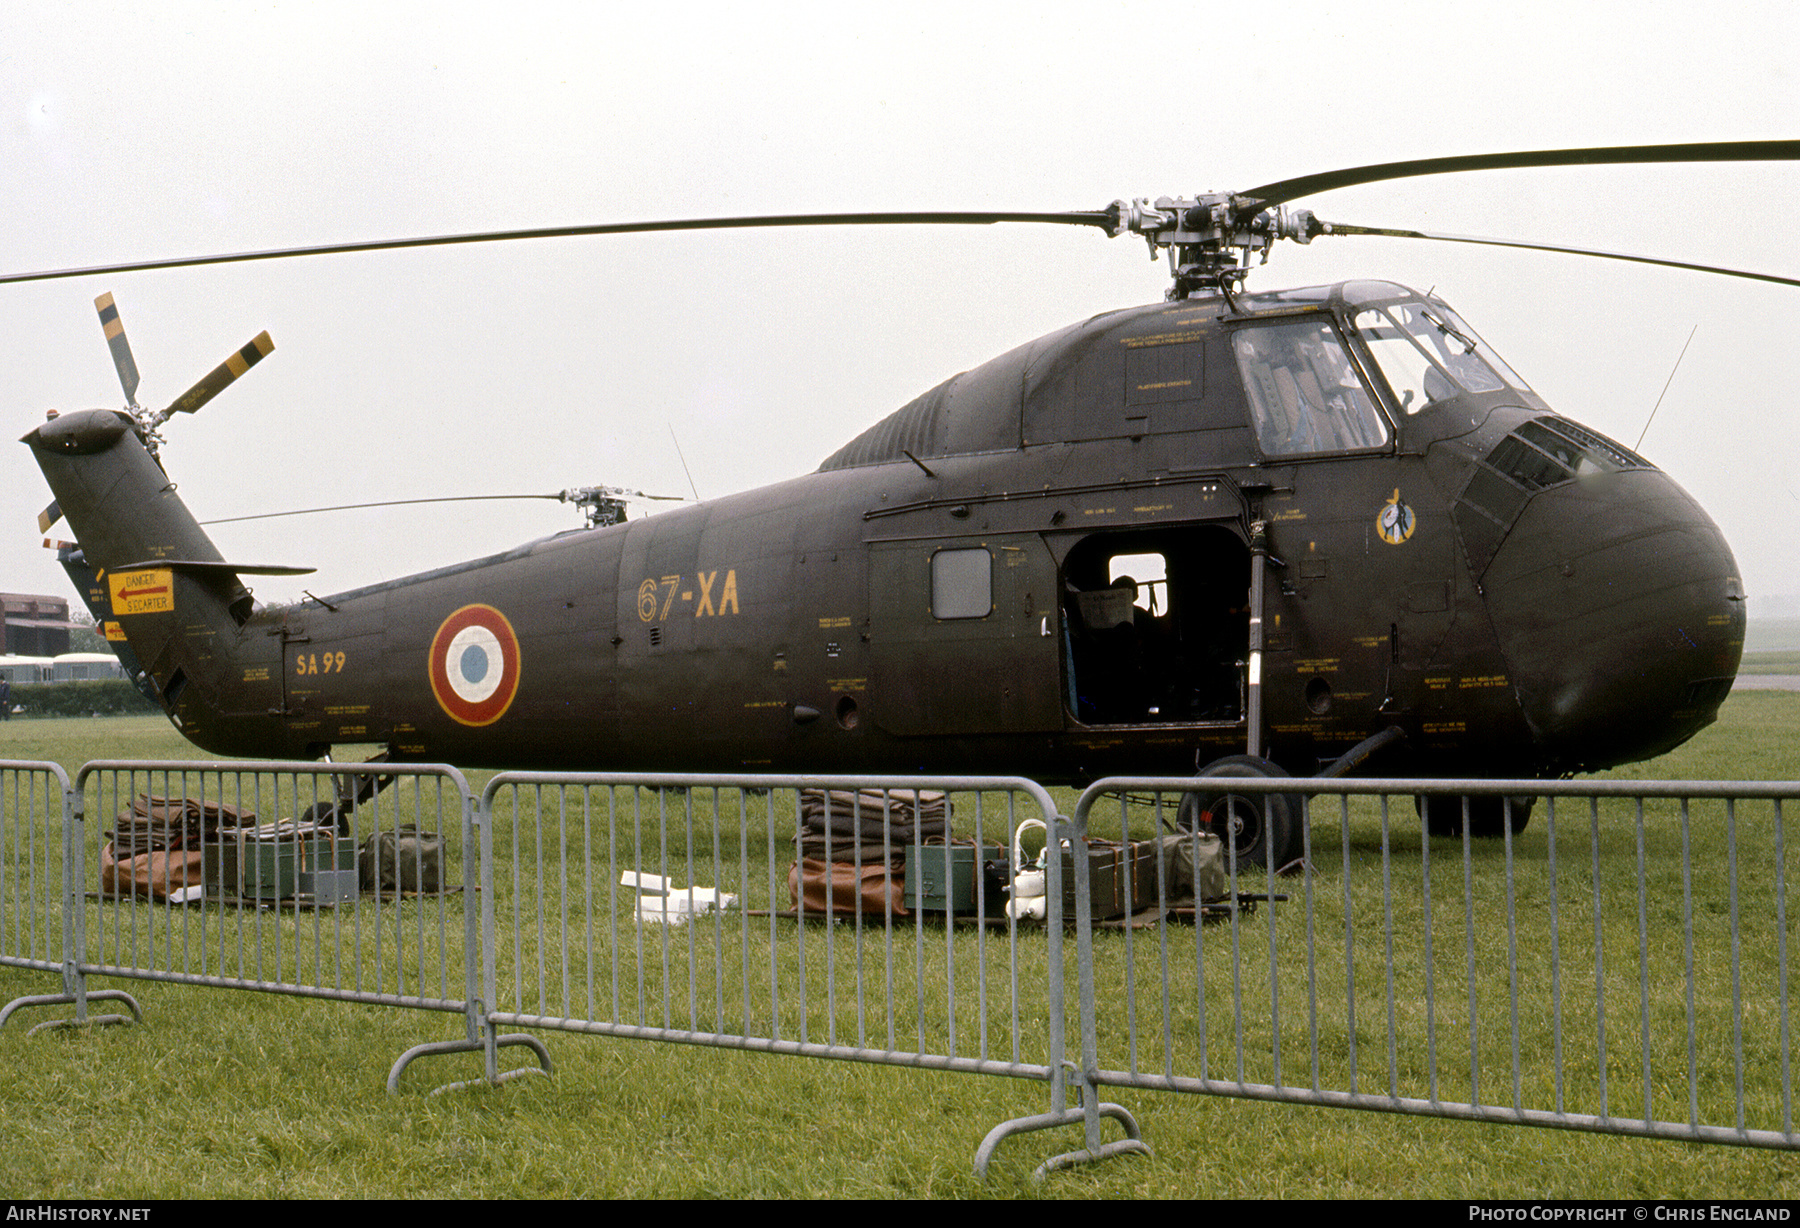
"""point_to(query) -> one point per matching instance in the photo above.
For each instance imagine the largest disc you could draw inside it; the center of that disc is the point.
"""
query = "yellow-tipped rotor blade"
(221, 376)
(114, 328)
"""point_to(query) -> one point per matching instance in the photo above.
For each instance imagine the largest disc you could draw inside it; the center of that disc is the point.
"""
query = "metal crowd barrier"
(33, 823)
(283, 911)
(1618, 966)
(38, 888)
(580, 946)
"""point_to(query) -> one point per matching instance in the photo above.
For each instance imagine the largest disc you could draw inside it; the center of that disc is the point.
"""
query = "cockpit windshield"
(1429, 355)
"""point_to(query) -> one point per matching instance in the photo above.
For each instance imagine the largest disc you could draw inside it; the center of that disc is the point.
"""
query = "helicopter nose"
(1620, 613)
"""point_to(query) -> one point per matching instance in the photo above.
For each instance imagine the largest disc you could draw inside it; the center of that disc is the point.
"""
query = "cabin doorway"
(1156, 626)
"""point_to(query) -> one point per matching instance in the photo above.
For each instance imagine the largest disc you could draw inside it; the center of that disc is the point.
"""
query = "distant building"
(84, 667)
(35, 626)
(26, 671)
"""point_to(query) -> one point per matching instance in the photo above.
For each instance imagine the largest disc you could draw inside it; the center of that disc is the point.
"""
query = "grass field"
(239, 1094)
(1784, 661)
(1771, 635)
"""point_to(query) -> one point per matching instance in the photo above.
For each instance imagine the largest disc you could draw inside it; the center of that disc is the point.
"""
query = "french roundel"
(475, 665)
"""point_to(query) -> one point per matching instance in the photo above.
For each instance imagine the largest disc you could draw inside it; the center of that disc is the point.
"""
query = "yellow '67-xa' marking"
(706, 592)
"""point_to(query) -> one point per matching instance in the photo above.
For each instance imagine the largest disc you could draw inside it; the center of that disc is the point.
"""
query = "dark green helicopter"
(1239, 533)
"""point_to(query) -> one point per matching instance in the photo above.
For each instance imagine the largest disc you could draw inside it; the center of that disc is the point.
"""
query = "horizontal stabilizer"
(202, 567)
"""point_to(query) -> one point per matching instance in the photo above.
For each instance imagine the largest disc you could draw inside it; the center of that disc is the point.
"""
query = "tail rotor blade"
(49, 516)
(120, 346)
(222, 376)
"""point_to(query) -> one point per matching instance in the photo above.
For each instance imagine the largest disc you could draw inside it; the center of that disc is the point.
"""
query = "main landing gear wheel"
(1265, 828)
(1488, 815)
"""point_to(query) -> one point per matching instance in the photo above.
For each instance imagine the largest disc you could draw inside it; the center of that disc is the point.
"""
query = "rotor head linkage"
(605, 505)
(1211, 238)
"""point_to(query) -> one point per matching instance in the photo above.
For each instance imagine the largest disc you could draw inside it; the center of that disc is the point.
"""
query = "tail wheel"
(1261, 828)
(1489, 816)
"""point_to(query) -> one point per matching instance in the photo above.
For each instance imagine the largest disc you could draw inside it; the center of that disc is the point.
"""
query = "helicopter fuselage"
(1040, 567)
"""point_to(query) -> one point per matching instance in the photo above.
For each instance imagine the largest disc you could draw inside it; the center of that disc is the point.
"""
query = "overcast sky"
(133, 132)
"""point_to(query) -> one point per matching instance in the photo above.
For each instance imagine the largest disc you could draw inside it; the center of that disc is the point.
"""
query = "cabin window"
(1147, 575)
(962, 584)
(1305, 393)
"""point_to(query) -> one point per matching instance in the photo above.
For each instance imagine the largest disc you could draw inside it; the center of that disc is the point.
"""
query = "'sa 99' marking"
(318, 663)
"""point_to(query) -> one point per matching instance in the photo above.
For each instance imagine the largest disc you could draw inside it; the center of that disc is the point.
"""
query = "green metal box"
(928, 888)
(1110, 868)
(249, 868)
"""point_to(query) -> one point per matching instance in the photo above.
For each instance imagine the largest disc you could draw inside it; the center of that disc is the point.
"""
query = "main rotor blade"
(1285, 190)
(1335, 228)
(222, 376)
(1089, 218)
(560, 496)
(353, 507)
(114, 328)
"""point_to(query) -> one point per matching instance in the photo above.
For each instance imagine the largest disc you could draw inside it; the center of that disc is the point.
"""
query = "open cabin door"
(1156, 624)
(964, 636)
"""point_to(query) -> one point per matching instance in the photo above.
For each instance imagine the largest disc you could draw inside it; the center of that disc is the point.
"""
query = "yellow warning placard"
(113, 630)
(143, 592)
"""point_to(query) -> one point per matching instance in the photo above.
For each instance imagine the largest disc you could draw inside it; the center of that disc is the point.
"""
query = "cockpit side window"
(1305, 394)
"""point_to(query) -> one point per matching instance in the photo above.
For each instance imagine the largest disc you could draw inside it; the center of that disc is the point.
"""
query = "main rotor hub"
(1210, 238)
(605, 505)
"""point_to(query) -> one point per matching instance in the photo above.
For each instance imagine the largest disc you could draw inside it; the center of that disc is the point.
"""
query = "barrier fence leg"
(1088, 1112)
(478, 962)
(79, 1000)
(481, 1039)
(1089, 1108)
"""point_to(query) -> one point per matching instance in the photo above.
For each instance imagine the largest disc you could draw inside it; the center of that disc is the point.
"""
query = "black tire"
(1443, 814)
(1265, 828)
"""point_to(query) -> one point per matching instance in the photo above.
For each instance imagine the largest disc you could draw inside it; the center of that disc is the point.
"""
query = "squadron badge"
(1396, 521)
